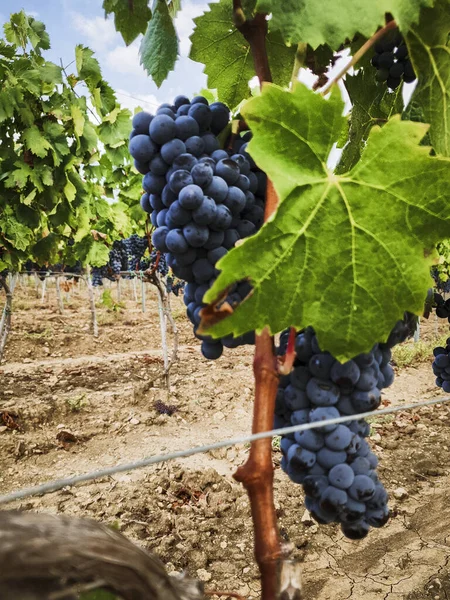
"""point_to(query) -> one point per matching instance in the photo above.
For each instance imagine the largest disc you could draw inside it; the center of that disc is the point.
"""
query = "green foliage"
(57, 165)
(337, 244)
(330, 22)
(430, 54)
(372, 104)
(129, 19)
(159, 47)
(108, 301)
(226, 54)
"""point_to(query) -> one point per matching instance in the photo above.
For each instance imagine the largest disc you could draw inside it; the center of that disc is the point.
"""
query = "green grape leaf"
(36, 142)
(430, 54)
(372, 104)
(115, 127)
(70, 191)
(78, 119)
(129, 20)
(88, 67)
(330, 22)
(50, 73)
(227, 57)
(159, 46)
(347, 254)
(98, 254)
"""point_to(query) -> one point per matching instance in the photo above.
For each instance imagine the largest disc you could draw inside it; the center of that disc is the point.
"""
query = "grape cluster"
(441, 366)
(442, 306)
(441, 285)
(334, 463)
(135, 247)
(391, 60)
(201, 199)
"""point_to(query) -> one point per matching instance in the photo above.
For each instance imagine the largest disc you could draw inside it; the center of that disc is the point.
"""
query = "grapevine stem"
(359, 54)
(257, 473)
(300, 56)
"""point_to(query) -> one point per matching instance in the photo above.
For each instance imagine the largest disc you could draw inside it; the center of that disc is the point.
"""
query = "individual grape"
(212, 350)
(202, 174)
(235, 201)
(320, 365)
(184, 162)
(333, 499)
(180, 179)
(341, 476)
(176, 242)
(385, 60)
(202, 270)
(362, 488)
(215, 240)
(205, 214)
(158, 166)
(145, 203)
(142, 149)
(217, 189)
(195, 235)
(211, 143)
(329, 458)
(366, 401)
(172, 149)
(339, 439)
(220, 117)
(222, 219)
(323, 414)
(141, 122)
(322, 392)
(295, 398)
(191, 196)
(199, 100)
(186, 127)
(202, 114)
(228, 170)
(309, 439)
(179, 215)
(195, 145)
(153, 184)
(231, 236)
(161, 217)
(216, 254)
(299, 458)
(162, 129)
(165, 110)
(219, 154)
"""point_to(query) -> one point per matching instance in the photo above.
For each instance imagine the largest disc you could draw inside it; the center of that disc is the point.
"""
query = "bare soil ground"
(85, 403)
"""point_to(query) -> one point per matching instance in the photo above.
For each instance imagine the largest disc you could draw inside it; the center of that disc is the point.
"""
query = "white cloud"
(32, 13)
(99, 32)
(125, 59)
(184, 24)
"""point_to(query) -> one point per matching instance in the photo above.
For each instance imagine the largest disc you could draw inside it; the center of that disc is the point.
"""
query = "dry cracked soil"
(70, 403)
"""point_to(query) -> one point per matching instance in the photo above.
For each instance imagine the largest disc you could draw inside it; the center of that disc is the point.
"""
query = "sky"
(72, 22)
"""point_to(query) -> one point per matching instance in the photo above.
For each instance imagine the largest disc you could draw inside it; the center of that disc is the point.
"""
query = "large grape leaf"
(159, 46)
(330, 22)
(226, 54)
(347, 254)
(35, 141)
(130, 19)
(430, 55)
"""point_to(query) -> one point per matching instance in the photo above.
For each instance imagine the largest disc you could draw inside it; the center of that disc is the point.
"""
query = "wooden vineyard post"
(59, 296)
(90, 290)
(5, 322)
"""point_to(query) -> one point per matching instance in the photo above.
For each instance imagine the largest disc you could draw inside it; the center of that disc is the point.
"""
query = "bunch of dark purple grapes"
(202, 199)
(441, 366)
(391, 60)
(334, 463)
